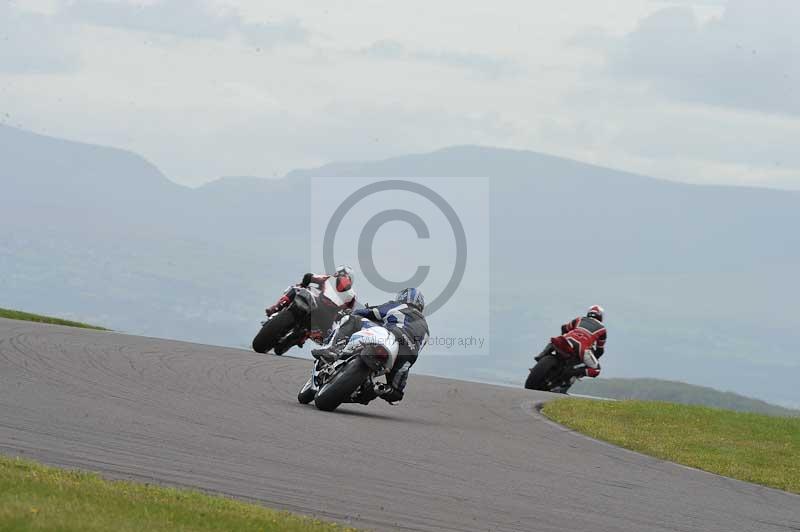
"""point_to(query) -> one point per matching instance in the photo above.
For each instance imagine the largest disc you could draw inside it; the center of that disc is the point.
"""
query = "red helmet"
(344, 278)
(596, 312)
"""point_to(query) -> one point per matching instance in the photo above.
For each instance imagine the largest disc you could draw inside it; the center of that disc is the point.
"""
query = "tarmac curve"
(453, 456)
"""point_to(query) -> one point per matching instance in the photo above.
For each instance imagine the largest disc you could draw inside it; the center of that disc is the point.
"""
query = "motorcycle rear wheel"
(341, 386)
(272, 331)
(541, 373)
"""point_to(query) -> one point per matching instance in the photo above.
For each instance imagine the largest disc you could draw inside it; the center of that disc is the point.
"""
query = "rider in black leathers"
(402, 317)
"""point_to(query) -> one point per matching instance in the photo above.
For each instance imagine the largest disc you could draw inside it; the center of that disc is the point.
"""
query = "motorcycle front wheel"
(541, 373)
(307, 393)
(272, 331)
(342, 385)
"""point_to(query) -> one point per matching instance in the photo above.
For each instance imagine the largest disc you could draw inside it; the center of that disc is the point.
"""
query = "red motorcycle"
(555, 370)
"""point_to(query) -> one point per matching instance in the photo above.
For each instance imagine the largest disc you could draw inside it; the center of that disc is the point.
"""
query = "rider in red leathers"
(333, 294)
(337, 290)
(583, 338)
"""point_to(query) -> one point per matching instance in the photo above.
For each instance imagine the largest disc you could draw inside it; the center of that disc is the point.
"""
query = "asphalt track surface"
(453, 456)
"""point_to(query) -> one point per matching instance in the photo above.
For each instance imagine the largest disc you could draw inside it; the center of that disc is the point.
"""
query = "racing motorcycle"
(307, 317)
(368, 354)
(555, 371)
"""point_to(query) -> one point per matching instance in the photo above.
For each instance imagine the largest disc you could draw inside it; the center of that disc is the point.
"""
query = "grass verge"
(35, 497)
(27, 316)
(752, 447)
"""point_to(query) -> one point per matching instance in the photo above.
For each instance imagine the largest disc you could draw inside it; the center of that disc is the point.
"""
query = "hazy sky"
(700, 91)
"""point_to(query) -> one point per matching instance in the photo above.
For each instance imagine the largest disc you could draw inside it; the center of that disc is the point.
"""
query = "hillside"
(102, 235)
(677, 392)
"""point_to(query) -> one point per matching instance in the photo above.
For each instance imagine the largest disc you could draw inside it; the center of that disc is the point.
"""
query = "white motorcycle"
(352, 378)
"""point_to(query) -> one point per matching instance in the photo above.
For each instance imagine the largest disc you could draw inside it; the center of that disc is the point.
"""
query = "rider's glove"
(592, 372)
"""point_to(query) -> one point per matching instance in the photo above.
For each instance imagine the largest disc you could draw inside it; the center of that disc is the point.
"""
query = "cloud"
(486, 65)
(35, 43)
(746, 58)
(269, 35)
(347, 94)
(185, 18)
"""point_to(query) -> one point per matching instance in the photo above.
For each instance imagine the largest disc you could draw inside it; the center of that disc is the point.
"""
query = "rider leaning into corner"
(336, 292)
(583, 338)
(402, 317)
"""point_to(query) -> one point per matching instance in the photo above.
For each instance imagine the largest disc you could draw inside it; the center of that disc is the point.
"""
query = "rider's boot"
(328, 353)
(331, 351)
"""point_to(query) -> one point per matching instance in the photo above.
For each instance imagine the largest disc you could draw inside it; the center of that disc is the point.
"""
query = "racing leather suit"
(330, 300)
(325, 285)
(585, 339)
(411, 330)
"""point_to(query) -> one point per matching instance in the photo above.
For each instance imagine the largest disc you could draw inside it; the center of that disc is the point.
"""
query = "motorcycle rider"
(337, 289)
(401, 316)
(584, 338)
(335, 293)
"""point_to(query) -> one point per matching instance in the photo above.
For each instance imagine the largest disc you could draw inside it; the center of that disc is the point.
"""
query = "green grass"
(27, 316)
(752, 447)
(35, 497)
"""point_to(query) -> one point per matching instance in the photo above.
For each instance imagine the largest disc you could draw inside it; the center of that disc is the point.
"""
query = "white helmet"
(344, 278)
(596, 312)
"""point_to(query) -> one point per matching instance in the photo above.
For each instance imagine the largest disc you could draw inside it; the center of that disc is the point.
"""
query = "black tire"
(543, 371)
(272, 331)
(341, 386)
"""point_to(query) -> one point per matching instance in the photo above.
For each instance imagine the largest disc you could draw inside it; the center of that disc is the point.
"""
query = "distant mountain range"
(699, 281)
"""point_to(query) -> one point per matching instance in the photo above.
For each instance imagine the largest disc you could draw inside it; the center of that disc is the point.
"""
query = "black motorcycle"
(307, 317)
(553, 372)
